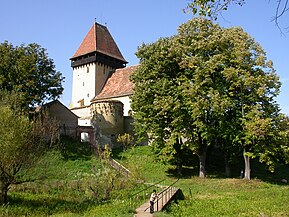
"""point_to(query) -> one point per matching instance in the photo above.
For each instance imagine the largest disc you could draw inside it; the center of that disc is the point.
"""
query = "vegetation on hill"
(69, 180)
(21, 142)
(63, 177)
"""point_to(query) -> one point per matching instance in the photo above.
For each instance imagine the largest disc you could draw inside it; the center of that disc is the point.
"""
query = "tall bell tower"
(93, 62)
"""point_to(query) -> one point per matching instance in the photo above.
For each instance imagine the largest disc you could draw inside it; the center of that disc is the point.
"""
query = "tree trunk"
(247, 166)
(202, 157)
(227, 167)
(3, 192)
(180, 169)
(177, 146)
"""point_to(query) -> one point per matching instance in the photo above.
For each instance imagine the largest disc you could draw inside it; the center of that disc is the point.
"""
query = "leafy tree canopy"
(29, 71)
(20, 142)
(205, 83)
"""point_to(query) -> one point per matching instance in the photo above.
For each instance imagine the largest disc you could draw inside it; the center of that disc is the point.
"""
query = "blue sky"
(60, 26)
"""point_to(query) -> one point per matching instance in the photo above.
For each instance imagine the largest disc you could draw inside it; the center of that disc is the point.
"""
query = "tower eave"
(97, 57)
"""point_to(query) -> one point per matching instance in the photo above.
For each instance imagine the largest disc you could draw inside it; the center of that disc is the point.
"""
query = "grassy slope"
(57, 192)
(217, 196)
(60, 189)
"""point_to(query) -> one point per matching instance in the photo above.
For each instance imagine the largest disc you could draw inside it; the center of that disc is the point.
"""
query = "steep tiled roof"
(118, 84)
(98, 39)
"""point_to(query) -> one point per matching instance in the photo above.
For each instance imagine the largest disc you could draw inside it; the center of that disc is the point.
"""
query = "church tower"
(96, 58)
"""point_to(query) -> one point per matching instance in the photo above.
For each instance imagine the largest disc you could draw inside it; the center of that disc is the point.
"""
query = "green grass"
(217, 196)
(230, 197)
(60, 188)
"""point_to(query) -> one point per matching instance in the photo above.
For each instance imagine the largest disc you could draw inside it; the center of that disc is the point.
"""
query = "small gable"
(61, 113)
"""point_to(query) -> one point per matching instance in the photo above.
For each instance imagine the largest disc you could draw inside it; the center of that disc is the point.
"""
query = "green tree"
(170, 105)
(253, 92)
(16, 146)
(204, 51)
(29, 71)
(21, 141)
(156, 102)
(204, 84)
(231, 77)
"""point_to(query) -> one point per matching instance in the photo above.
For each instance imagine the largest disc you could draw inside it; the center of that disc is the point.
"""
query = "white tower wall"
(83, 85)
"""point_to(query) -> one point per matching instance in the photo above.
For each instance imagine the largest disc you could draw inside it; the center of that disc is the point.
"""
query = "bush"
(126, 141)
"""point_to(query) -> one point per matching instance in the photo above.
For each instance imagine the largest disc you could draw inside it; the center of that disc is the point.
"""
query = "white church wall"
(83, 85)
(84, 122)
(84, 114)
(126, 104)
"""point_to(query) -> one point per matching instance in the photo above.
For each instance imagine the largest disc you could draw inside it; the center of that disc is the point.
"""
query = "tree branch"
(280, 12)
(213, 8)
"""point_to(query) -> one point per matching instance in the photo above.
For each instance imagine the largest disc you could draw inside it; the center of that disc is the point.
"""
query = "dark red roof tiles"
(98, 39)
(88, 44)
(118, 84)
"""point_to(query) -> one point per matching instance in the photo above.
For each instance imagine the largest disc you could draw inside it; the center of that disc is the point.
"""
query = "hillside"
(264, 195)
(71, 181)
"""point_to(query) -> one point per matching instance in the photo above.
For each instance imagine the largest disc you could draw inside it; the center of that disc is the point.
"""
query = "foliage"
(47, 127)
(210, 8)
(10, 99)
(106, 152)
(70, 184)
(157, 98)
(126, 140)
(22, 141)
(29, 71)
(103, 184)
(205, 85)
(19, 146)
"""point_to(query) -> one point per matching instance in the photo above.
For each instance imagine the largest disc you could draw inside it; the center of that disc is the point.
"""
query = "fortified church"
(101, 88)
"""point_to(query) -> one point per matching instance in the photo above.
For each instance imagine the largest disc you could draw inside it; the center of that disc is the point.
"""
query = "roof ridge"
(94, 36)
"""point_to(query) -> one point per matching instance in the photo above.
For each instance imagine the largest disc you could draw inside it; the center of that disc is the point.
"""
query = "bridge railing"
(165, 195)
(143, 193)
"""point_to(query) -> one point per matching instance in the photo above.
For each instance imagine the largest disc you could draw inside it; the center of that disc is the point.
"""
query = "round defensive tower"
(108, 116)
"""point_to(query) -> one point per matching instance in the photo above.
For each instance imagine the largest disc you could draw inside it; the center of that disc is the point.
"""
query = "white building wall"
(126, 104)
(84, 114)
(84, 122)
(83, 85)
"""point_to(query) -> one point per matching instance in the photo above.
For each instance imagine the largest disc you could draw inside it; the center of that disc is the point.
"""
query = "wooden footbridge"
(164, 196)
